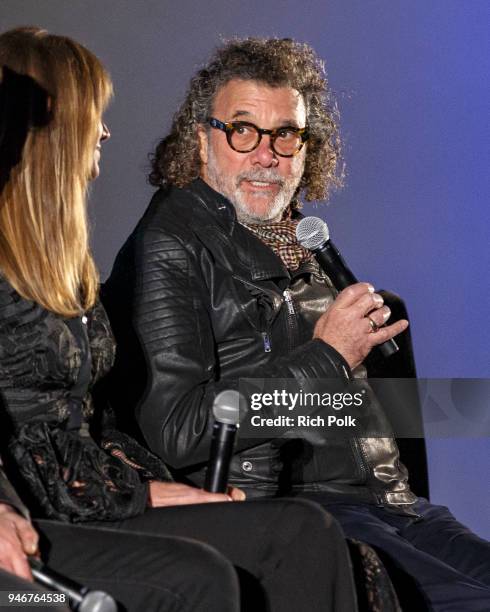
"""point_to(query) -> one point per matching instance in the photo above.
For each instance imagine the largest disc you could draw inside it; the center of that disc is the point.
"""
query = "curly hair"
(276, 63)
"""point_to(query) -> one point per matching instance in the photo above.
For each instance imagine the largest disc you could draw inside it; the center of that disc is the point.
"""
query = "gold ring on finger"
(374, 325)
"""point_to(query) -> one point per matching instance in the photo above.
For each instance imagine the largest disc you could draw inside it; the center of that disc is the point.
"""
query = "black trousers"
(142, 573)
(290, 555)
(271, 555)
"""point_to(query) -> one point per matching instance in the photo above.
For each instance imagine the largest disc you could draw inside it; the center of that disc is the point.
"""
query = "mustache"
(268, 175)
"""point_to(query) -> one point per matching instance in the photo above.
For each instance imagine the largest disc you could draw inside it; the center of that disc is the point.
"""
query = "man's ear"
(202, 135)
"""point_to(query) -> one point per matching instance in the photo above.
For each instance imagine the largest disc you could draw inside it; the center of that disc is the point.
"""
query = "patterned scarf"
(281, 238)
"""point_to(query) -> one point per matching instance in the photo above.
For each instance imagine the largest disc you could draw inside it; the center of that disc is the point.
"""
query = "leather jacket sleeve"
(170, 318)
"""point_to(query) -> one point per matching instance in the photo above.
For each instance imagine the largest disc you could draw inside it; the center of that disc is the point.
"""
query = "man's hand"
(346, 323)
(176, 494)
(17, 539)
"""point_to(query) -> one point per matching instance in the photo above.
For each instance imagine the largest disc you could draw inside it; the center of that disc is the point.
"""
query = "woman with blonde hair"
(64, 463)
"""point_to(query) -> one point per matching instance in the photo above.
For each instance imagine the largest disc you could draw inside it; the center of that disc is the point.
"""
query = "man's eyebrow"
(240, 113)
(282, 123)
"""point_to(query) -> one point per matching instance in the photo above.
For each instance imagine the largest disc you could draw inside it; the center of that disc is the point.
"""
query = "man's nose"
(264, 154)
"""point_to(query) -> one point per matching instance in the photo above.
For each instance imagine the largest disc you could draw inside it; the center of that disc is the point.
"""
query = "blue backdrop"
(412, 81)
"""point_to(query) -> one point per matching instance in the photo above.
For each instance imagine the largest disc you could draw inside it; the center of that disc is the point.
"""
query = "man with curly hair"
(212, 287)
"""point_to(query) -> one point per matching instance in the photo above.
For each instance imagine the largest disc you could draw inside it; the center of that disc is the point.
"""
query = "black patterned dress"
(48, 368)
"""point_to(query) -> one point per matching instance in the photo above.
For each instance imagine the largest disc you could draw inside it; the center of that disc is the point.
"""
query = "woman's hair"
(274, 62)
(44, 250)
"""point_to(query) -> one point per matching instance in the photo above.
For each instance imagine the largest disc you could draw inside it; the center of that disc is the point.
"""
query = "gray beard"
(233, 192)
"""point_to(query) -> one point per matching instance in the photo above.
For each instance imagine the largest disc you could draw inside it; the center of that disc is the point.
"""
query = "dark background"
(412, 82)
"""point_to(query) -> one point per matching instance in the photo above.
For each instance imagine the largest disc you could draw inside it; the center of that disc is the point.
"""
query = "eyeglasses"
(244, 137)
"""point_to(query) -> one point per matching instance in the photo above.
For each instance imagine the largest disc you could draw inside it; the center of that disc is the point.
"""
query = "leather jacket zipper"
(267, 342)
(291, 320)
(356, 444)
(289, 302)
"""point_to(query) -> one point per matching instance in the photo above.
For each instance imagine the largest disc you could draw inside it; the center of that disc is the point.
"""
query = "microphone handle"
(333, 264)
(55, 581)
(80, 599)
(220, 457)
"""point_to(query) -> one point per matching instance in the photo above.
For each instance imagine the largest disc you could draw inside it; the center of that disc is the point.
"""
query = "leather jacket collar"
(255, 256)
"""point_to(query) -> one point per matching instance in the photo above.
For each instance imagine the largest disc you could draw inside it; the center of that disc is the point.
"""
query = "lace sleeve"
(64, 475)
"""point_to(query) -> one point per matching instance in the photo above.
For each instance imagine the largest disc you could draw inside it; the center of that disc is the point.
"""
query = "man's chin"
(257, 218)
(258, 212)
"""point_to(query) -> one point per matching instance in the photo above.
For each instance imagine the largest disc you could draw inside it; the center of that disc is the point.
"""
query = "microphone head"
(312, 232)
(226, 407)
(97, 601)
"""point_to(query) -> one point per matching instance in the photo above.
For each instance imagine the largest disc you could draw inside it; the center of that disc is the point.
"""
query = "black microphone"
(81, 599)
(312, 234)
(227, 417)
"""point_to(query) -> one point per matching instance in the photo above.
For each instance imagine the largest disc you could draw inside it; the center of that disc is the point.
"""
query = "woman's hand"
(18, 538)
(177, 494)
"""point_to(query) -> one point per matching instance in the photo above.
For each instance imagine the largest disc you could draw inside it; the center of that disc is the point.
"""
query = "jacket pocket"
(260, 309)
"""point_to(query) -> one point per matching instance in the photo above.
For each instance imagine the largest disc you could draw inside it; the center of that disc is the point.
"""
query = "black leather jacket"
(196, 302)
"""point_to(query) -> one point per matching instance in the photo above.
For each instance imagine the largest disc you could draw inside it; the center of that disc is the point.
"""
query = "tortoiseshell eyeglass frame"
(229, 128)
